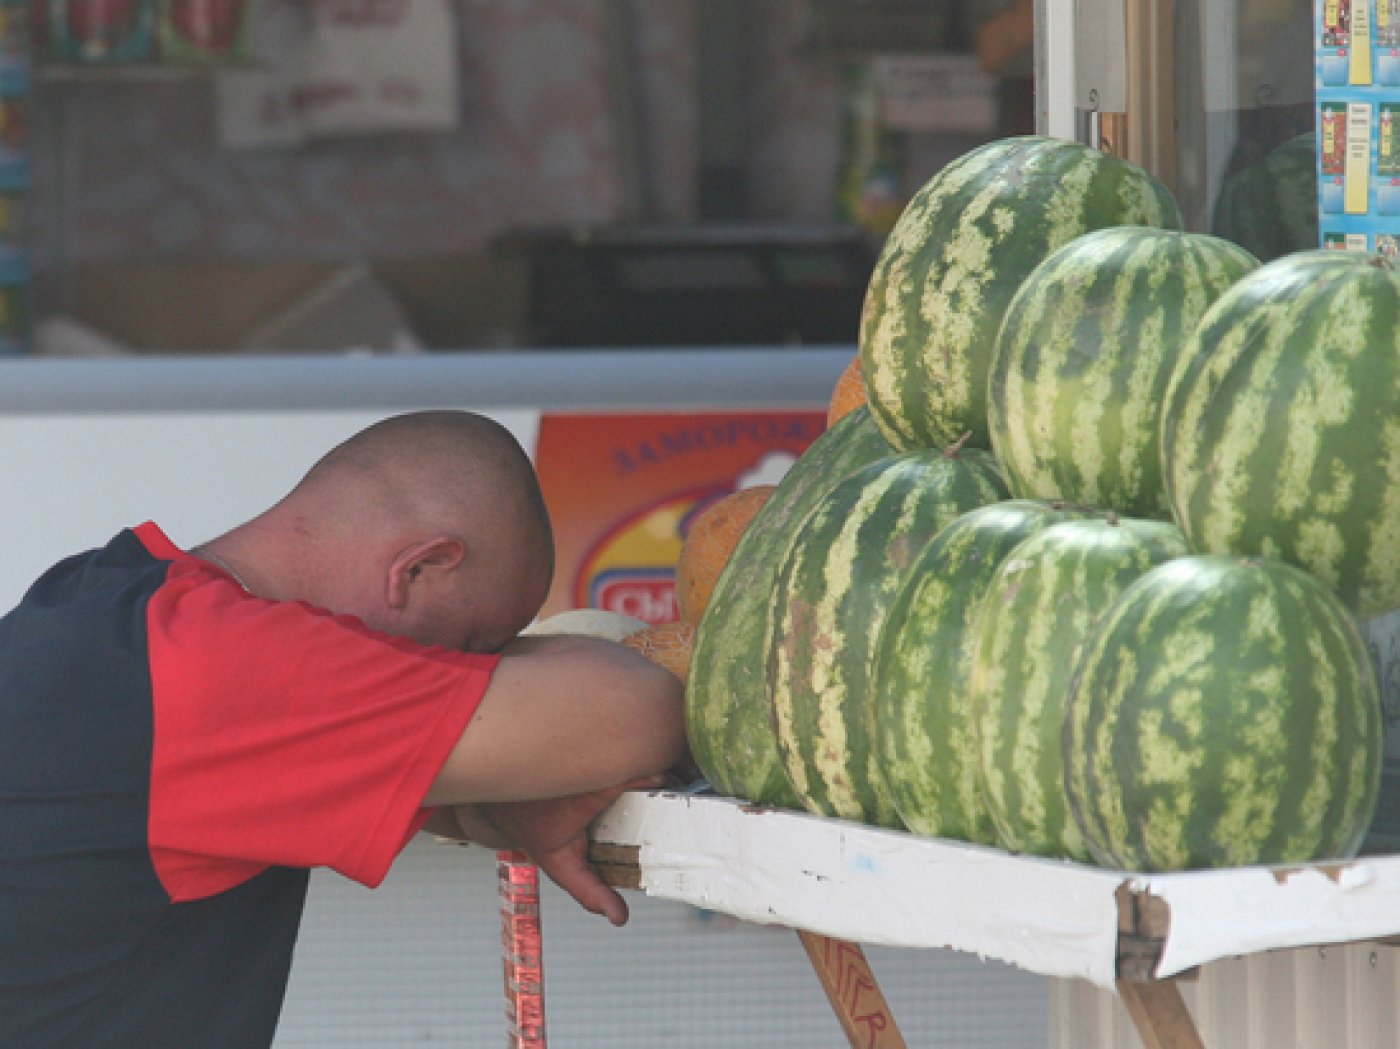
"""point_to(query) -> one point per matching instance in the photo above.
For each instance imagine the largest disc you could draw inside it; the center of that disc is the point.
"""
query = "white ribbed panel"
(1309, 998)
(417, 962)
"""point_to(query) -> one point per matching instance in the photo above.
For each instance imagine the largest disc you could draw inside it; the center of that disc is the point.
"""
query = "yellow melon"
(665, 644)
(848, 394)
(711, 539)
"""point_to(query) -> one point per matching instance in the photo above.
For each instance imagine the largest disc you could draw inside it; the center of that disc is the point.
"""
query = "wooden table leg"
(853, 992)
(1160, 1014)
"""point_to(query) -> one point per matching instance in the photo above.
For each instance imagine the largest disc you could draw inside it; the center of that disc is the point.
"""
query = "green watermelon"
(1042, 607)
(1281, 431)
(727, 714)
(845, 565)
(955, 257)
(1225, 713)
(925, 744)
(1083, 358)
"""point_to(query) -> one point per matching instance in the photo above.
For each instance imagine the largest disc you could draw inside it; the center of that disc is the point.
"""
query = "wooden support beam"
(853, 991)
(1160, 1015)
(1156, 1007)
(845, 975)
(616, 864)
(1143, 923)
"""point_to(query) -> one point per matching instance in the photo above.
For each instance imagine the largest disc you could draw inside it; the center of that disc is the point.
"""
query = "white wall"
(77, 479)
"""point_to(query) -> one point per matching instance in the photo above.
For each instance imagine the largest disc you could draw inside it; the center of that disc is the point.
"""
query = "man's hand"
(554, 833)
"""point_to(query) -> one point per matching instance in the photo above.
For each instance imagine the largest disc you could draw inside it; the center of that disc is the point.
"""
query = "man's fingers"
(600, 899)
(571, 872)
(554, 832)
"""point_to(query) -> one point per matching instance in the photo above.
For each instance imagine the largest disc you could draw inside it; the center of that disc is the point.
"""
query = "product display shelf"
(841, 884)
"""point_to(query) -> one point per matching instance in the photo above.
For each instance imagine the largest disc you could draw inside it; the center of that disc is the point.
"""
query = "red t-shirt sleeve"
(287, 736)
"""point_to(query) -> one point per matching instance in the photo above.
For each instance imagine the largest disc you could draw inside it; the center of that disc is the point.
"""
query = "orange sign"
(622, 490)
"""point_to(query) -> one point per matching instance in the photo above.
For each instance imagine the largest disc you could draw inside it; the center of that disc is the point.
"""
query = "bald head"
(430, 525)
(434, 469)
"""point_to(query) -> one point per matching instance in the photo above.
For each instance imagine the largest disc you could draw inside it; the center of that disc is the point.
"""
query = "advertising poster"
(1358, 103)
(342, 67)
(622, 490)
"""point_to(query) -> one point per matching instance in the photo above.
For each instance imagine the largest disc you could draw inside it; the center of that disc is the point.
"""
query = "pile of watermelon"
(1083, 576)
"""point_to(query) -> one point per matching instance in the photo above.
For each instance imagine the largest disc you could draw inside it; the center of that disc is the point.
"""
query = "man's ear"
(439, 554)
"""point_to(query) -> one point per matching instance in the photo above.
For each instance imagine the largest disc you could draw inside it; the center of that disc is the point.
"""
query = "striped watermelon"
(1083, 358)
(847, 561)
(1043, 606)
(727, 714)
(955, 257)
(1281, 432)
(925, 743)
(1225, 713)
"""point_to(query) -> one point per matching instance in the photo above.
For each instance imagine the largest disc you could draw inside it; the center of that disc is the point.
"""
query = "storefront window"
(1216, 97)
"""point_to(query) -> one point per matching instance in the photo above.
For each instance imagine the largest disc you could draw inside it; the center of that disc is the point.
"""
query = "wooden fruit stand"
(842, 884)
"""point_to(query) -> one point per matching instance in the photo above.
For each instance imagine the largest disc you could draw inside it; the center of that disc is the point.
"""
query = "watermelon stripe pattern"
(846, 563)
(727, 714)
(1084, 356)
(1044, 605)
(1281, 434)
(925, 733)
(1225, 714)
(955, 257)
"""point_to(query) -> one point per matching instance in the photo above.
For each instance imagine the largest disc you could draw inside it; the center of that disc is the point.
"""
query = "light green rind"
(1225, 714)
(950, 265)
(846, 563)
(1042, 607)
(1281, 431)
(925, 740)
(727, 714)
(1083, 358)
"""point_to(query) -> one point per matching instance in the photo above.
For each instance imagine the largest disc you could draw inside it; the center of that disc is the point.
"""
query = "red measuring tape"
(522, 949)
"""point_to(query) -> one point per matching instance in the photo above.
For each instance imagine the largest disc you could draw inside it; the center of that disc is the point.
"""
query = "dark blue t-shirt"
(94, 953)
(168, 775)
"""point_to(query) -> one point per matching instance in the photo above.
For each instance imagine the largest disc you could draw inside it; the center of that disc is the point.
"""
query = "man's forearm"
(468, 823)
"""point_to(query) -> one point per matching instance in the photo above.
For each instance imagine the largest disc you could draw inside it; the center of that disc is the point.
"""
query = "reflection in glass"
(1246, 135)
(1216, 98)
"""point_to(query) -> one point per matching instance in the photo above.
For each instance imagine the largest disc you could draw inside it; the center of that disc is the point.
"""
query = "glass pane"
(1246, 142)
(1217, 98)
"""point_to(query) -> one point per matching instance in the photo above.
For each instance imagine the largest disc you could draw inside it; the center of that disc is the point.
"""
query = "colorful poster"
(622, 489)
(1358, 106)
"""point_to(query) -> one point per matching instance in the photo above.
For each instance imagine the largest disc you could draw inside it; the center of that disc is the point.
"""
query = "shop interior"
(390, 177)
